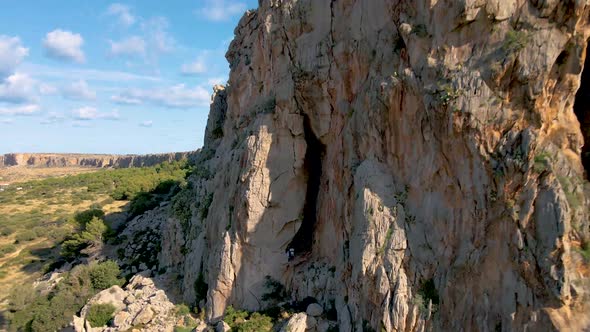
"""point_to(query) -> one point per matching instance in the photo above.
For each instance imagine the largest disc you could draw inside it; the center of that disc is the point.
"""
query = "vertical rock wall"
(451, 194)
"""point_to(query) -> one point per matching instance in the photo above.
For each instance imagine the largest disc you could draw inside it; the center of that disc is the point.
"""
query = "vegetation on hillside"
(30, 310)
(54, 220)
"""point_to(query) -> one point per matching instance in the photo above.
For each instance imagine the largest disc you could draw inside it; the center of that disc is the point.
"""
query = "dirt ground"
(15, 174)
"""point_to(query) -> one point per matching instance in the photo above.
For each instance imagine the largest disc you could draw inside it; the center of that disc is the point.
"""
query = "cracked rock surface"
(422, 157)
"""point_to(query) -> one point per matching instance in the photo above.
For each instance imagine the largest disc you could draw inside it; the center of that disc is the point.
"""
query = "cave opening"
(303, 240)
(582, 111)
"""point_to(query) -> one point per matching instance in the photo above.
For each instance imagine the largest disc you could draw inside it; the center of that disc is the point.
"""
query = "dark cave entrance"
(582, 110)
(303, 239)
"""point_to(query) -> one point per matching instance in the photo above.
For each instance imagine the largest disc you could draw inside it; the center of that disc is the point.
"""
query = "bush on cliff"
(242, 321)
(100, 314)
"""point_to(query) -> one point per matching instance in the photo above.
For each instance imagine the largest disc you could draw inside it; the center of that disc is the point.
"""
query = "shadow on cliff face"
(303, 240)
(582, 111)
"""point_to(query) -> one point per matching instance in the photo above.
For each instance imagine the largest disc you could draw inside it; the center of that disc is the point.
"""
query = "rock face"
(90, 160)
(299, 323)
(422, 158)
(141, 303)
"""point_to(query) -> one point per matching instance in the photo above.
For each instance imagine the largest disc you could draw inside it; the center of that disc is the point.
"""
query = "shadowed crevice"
(303, 240)
(582, 111)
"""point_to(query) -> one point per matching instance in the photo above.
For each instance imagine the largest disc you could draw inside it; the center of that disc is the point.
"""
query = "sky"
(111, 77)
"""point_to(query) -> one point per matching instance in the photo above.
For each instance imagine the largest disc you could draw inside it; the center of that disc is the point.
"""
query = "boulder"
(314, 310)
(202, 327)
(222, 327)
(144, 316)
(299, 322)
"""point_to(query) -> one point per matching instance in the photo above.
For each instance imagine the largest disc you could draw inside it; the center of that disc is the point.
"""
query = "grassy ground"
(23, 173)
(37, 218)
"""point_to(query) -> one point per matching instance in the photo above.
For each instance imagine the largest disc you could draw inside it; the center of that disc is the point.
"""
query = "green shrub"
(182, 310)
(104, 275)
(72, 247)
(242, 321)
(256, 323)
(515, 41)
(427, 293)
(34, 312)
(164, 187)
(84, 217)
(100, 314)
(7, 249)
(233, 317)
(6, 230)
(204, 207)
(141, 203)
(585, 250)
(541, 162)
(568, 186)
(388, 236)
(94, 233)
(275, 291)
(25, 236)
(183, 329)
(181, 208)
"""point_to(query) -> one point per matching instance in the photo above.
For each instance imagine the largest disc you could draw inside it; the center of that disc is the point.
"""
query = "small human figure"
(290, 254)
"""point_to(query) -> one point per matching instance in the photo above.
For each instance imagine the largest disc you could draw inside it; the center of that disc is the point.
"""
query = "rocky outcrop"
(422, 158)
(90, 160)
(141, 305)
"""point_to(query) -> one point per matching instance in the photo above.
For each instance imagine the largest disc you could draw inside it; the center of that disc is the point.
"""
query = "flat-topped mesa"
(90, 160)
(421, 157)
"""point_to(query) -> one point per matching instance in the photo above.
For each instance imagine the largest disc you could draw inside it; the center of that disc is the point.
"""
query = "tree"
(95, 231)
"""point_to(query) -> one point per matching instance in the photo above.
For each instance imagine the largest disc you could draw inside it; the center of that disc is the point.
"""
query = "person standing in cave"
(290, 254)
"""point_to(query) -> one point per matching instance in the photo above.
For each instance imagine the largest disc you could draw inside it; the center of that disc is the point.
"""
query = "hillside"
(89, 160)
(38, 217)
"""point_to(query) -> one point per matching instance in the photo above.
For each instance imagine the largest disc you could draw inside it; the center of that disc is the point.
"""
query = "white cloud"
(81, 124)
(6, 121)
(146, 124)
(47, 89)
(114, 115)
(18, 88)
(178, 96)
(64, 45)
(88, 74)
(149, 45)
(156, 31)
(194, 68)
(221, 10)
(30, 109)
(123, 14)
(78, 91)
(12, 54)
(132, 46)
(125, 100)
(90, 113)
(85, 113)
(54, 117)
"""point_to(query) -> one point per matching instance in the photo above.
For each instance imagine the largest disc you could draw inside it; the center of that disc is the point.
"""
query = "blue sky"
(111, 77)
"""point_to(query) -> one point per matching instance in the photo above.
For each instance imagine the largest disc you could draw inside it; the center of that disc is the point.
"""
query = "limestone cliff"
(89, 160)
(423, 158)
